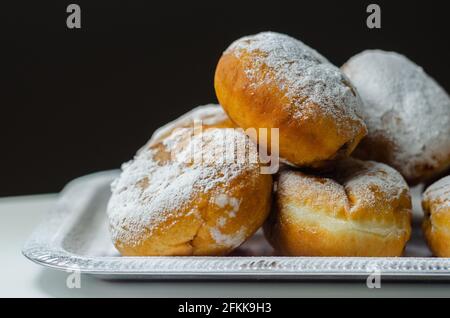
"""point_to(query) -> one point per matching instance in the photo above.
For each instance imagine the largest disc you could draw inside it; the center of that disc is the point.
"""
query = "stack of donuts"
(351, 141)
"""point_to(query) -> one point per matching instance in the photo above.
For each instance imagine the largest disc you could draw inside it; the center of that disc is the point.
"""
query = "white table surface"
(20, 277)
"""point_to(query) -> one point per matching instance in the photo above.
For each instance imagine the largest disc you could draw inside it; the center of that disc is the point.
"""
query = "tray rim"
(44, 248)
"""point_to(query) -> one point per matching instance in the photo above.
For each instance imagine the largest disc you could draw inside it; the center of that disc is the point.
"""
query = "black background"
(79, 101)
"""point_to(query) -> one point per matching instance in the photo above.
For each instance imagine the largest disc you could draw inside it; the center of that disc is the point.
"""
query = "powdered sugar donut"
(363, 208)
(436, 223)
(407, 114)
(189, 194)
(271, 80)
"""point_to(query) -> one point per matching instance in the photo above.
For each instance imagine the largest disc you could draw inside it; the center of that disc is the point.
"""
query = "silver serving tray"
(74, 236)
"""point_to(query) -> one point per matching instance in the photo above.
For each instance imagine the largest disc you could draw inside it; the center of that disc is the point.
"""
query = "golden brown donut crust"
(260, 101)
(363, 209)
(163, 205)
(436, 222)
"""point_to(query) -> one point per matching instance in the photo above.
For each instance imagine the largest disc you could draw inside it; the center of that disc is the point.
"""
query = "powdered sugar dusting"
(367, 181)
(230, 240)
(210, 114)
(405, 106)
(231, 204)
(308, 187)
(151, 188)
(439, 192)
(303, 74)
